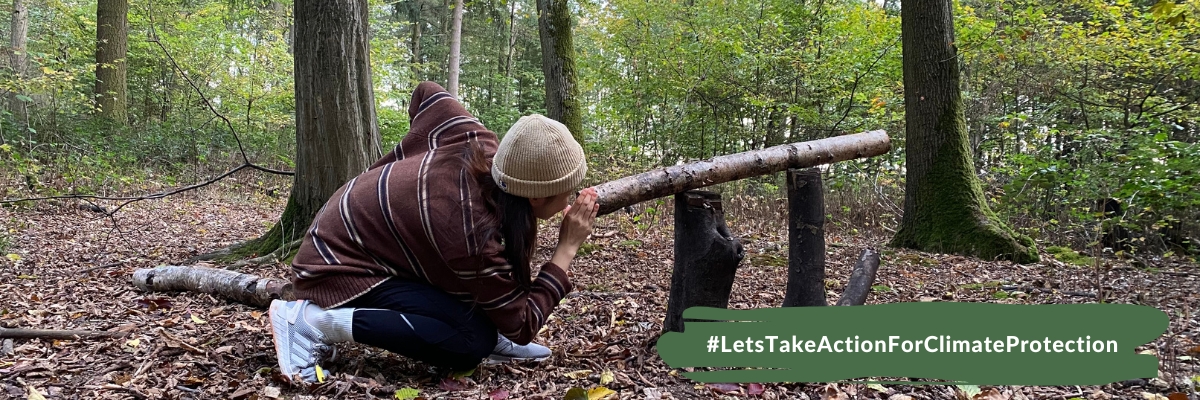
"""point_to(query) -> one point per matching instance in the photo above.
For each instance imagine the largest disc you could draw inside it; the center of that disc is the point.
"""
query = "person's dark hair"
(510, 216)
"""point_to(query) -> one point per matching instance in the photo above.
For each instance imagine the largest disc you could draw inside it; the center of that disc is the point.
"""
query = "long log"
(243, 288)
(634, 189)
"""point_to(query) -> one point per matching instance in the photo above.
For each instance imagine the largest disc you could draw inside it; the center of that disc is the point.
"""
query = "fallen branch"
(861, 279)
(22, 333)
(1030, 289)
(128, 200)
(109, 386)
(243, 288)
(630, 190)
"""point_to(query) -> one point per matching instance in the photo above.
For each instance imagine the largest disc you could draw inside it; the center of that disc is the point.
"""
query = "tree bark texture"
(558, 65)
(455, 48)
(806, 239)
(19, 61)
(634, 189)
(111, 49)
(243, 288)
(337, 136)
(706, 257)
(944, 206)
(861, 280)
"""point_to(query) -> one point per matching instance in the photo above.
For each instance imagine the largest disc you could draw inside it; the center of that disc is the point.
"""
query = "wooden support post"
(706, 256)
(806, 239)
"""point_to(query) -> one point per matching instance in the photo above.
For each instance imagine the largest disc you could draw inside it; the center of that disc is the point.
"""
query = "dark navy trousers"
(419, 321)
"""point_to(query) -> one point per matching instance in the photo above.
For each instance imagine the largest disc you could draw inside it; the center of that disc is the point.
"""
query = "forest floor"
(71, 269)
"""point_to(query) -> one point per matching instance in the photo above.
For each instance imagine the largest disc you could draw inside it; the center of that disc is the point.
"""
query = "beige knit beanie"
(538, 158)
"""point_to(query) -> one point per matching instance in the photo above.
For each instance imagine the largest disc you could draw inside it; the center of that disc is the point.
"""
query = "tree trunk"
(508, 60)
(243, 288)
(558, 65)
(806, 239)
(661, 182)
(414, 10)
(944, 206)
(111, 48)
(455, 49)
(20, 66)
(337, 136)
(706, 257)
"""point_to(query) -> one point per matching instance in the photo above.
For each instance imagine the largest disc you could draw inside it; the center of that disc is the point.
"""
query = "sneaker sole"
(278, 328)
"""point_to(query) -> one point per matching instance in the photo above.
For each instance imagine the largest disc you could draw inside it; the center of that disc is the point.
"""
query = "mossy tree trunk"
(112, 34)
(558, 65)
(944, 206)
(337, 136)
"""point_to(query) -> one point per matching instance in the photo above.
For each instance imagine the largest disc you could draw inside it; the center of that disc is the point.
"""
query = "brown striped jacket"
(413, 215)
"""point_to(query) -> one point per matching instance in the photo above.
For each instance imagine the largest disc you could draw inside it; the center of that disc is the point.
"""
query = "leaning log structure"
(700, 229)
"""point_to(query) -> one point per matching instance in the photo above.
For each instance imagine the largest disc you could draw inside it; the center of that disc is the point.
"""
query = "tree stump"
(706, 256)
(806, 239)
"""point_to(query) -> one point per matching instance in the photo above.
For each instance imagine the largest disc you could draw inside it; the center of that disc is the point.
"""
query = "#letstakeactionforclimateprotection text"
(934, 343)
(894, 344)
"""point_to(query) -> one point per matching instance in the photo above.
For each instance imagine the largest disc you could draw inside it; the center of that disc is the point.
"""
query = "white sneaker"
(506, 351)
(298, 345)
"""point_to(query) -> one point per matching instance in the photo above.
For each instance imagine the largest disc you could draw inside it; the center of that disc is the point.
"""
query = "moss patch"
(768, 260)
(587, 248)
(1069, 256)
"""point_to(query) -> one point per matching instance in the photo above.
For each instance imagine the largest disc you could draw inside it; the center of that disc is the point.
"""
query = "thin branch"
(213, 108)
(128, 200)
(20, 333)
(1009, 288)
(1173, 109)
(858, 77)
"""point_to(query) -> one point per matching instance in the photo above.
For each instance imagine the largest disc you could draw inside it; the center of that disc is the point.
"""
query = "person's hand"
(578, 219)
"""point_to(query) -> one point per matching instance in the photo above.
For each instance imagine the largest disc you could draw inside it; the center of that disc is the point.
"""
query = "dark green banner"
(965, 343)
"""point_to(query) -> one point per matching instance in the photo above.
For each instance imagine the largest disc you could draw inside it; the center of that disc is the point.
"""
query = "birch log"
(666, 181)
(243, 288)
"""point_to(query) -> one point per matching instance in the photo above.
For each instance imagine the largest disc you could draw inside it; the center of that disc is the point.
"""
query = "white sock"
(336, 324)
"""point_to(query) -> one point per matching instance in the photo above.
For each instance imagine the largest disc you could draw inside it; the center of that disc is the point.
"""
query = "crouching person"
(427, 253)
